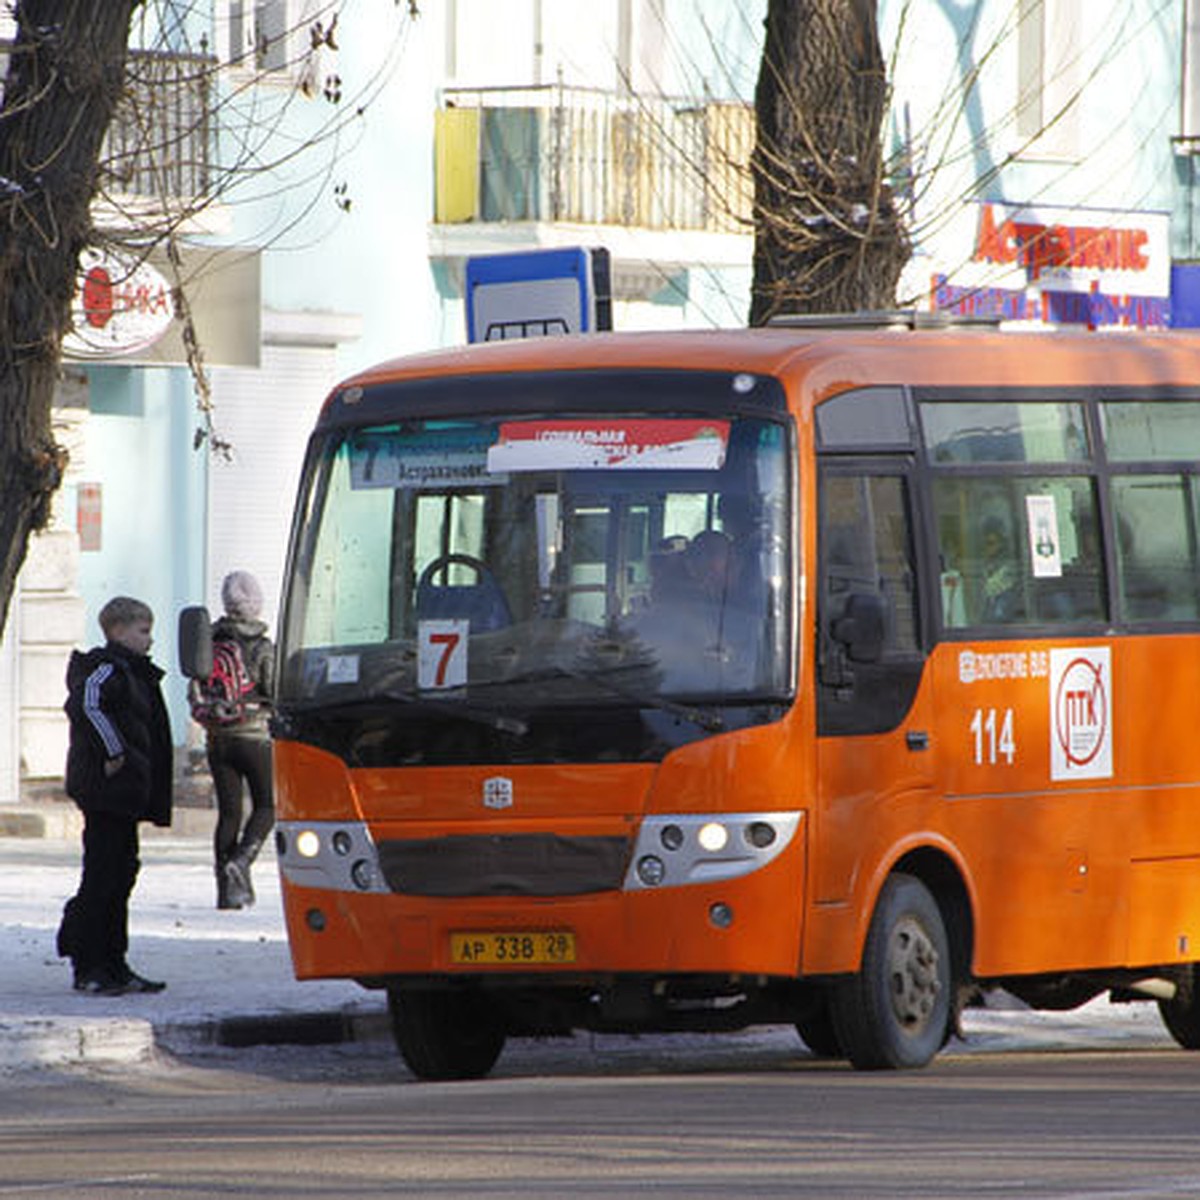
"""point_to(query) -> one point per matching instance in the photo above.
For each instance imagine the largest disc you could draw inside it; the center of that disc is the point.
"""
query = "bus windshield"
(525, 563)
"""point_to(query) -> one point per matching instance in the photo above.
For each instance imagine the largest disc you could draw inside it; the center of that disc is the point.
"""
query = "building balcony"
(159, 146)
(653, 178)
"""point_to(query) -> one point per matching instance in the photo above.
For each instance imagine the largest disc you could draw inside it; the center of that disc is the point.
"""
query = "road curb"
(31, 1043)
(38, 1043)
(298, 1029)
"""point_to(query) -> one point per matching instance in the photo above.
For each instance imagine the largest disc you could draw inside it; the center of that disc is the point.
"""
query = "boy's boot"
(66, 941)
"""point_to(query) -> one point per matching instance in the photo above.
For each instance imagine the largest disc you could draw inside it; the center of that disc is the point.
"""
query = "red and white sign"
(667, 444)
(119, 307)
(1072, 248)
(442, 654)
(1081, 711)
(89, 515)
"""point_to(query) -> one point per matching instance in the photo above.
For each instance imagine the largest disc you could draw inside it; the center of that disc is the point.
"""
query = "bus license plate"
(502, 949)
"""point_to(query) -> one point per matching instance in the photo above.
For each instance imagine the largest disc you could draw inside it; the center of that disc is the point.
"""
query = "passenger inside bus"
(1001, 599)
(954, 613)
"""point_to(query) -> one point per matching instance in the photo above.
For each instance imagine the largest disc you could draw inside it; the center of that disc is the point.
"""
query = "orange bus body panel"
(639, 931)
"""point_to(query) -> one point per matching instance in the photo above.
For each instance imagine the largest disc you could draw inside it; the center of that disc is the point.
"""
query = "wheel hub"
(913, 975)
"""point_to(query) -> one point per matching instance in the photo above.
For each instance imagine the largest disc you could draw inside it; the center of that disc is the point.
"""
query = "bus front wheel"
(445, 1034)
(1181, 1014)
(814, 1024)
(895, 1012)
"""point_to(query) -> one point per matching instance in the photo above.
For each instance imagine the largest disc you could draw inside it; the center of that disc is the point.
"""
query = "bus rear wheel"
(895, 1012)
(1181, 1014)
(445, 1034)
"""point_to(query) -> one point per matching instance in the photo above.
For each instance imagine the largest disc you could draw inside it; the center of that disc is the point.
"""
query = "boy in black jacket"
(119, 771)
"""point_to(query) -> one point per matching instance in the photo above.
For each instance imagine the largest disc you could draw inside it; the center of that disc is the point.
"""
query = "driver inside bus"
(709, 559)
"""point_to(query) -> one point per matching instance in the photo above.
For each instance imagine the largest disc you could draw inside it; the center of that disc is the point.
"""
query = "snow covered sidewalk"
(224, 970)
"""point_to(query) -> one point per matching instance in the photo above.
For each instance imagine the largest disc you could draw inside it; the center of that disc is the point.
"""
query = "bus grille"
(538, 864)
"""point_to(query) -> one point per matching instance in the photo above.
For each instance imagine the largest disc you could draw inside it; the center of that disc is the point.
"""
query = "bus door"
(874, 740)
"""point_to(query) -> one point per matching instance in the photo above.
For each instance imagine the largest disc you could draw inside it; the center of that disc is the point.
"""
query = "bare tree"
(828, 237)
(70, 70)
(66, 73)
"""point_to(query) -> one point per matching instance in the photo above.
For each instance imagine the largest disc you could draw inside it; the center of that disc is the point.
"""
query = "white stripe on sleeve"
(98, 717)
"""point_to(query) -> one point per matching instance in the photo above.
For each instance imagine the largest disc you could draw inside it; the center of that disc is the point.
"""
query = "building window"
(272, 38)
(1189, 114)
(1050, 77)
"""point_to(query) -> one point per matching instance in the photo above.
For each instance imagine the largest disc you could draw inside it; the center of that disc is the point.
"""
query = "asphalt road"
(663, 1118)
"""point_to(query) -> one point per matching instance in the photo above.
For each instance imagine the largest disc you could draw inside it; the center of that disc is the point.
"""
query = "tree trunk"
(65, 76)
(827, 234)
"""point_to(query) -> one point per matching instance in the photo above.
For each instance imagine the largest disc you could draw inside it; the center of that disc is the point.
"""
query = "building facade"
(1048, 167)
(1044, 152)
(326, 163)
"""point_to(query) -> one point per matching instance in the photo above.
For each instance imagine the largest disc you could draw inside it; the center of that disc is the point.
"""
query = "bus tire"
(895, 1012)
(814, 1024)
(445, 1035)
(1181, 1014)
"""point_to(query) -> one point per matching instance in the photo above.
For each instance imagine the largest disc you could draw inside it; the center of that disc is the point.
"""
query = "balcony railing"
(159, 143)
(579, 156)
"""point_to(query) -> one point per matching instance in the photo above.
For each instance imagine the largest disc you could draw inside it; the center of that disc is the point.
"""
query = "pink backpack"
(221, 699)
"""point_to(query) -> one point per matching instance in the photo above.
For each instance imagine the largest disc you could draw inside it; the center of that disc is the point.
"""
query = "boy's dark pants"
(94, 931)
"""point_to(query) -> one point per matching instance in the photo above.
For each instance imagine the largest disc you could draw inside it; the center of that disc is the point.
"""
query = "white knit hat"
(241, 595)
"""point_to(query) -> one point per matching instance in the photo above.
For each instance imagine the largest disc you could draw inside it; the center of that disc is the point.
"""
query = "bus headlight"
(651, 870)
(679, 849)
(308, 844)
(337, 855)
(760, 834)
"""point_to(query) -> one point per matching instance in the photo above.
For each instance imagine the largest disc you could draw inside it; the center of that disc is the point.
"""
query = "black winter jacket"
(116, 710)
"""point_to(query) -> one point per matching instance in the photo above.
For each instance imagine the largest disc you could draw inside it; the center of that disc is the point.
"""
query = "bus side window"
(1156, 560)
(987, 551)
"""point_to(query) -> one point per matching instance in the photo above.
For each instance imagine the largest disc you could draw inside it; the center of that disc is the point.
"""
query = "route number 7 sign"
(442, 654)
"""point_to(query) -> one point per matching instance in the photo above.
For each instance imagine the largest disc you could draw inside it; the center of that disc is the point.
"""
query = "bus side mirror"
(195, 642)
(860, 627)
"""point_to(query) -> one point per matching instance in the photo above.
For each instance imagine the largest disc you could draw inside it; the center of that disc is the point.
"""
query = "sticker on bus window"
(341, 668)
(1081, 710)
(671, 444)
(439, 459)
(1045, 550)
(442, 654)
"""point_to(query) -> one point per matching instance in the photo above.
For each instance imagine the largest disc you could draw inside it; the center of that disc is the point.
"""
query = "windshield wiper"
(697, 716)
(501, 722)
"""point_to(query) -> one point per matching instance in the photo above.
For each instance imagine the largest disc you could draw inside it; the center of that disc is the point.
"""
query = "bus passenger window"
(1156, 561)
(1019, 550)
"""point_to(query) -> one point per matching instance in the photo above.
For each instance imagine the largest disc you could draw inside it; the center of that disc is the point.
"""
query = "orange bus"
(686, 681)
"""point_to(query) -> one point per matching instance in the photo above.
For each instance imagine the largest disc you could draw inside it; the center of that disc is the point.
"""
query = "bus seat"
(481, 603)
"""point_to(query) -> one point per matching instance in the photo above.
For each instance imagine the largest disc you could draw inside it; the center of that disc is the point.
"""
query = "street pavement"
(228, 973)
